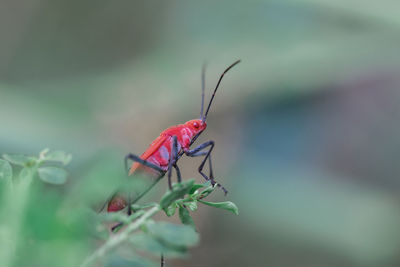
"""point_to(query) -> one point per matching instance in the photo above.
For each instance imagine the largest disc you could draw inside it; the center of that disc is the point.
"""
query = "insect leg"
(175, 155)
(178, 173)
(130, 201)
(135, 158)
(197, 151)
(147, 164)
(208, 155)
(212, 174)
(172, 161)
(210, 167)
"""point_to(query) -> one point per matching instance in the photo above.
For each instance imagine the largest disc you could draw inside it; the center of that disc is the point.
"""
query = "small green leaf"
(227, 205)
(146, 242)
(207, 191)
(170, 211)
(174, 234)
(53, 175)
(20, 160)
(185, 217)
(58, 156)
(5, 171)
(196, 187)
(178, 191)
(191, 205)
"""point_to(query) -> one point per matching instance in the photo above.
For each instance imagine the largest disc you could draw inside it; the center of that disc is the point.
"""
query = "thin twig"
(122, 236)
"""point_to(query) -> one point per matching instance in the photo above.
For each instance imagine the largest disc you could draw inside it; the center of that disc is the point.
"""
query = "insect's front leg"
(198, 151)
(178, 172)
(172, 162)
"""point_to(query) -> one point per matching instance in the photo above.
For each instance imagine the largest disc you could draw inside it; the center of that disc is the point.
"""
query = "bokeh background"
(306, 127)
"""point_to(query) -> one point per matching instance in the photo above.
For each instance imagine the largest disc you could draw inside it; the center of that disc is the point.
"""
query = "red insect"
(165, 151)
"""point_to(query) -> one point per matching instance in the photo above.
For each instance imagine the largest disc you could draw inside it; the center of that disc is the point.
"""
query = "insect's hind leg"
(198, 151)
(135, 158)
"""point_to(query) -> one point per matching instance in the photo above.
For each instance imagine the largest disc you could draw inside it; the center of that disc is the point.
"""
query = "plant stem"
(122, 236)
(15, 203)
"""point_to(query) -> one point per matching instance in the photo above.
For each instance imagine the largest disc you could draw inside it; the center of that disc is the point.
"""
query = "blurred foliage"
(45, 230)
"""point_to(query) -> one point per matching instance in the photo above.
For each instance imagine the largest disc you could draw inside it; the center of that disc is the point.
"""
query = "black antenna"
(203, 85)
(215, 90)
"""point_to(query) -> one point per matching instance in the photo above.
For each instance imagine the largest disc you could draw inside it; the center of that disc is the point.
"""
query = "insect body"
(164, 152)
(160, 151)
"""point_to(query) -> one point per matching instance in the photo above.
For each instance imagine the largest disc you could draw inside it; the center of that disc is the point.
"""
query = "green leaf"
(146, 242)
(170, 211)
(185, 217)
(5, 171)
(20, 160)
(53, 175)
(174, 234)
(227, 205)
(58, 156)
(178, 191)
(207, 191)
(191, 205)
(195, 187)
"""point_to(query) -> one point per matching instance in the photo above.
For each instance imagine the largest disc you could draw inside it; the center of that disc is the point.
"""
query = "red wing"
(154, 146)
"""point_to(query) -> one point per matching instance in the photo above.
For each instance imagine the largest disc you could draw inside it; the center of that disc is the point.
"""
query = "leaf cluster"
(48, 165)
(185, 196)
(62, 226)
(28, 214)
(169, 239)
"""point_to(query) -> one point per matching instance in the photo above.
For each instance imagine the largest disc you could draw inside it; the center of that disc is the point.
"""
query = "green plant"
(161, 237)
(37, 218)
(15, 193)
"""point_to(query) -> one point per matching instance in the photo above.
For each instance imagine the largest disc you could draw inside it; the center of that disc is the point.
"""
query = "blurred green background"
(307, 127)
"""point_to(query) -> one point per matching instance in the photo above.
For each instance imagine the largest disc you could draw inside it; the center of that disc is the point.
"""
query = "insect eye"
(196, 125)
